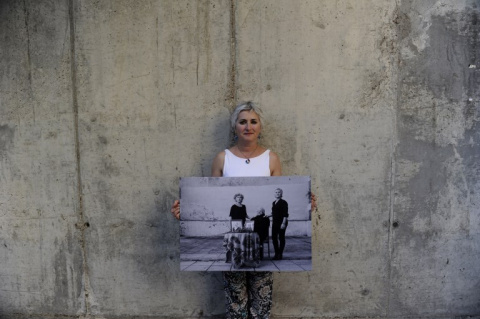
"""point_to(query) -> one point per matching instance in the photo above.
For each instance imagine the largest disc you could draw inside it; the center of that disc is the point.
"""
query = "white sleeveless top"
(235, 166)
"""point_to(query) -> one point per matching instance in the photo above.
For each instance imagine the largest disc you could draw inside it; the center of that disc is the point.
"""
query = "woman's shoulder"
(274, 156)
(220, 155)
(275, 164)
(217, 165)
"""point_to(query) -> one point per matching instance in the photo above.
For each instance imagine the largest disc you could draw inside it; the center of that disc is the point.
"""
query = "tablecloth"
(244, 249)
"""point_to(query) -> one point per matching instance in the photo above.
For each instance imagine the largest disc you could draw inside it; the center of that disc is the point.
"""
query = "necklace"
(247, 157)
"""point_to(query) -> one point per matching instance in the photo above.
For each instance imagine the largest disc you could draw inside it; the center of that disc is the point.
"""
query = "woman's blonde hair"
(238, 194)
(245, 106)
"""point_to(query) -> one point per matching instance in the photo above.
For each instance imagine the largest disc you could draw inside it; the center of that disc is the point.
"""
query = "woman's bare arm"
(275, 165)
(217, 165)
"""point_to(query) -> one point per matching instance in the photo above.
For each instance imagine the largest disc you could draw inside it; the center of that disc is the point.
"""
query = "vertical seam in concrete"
(390, 218)
(200, 30)
(29, 60)
(80, 225)
(393, 167)
(232, 81)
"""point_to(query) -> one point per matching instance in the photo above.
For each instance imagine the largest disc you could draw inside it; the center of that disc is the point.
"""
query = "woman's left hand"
(175, 210)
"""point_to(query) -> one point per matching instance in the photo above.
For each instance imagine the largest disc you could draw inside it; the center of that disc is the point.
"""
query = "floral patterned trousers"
(248, 294)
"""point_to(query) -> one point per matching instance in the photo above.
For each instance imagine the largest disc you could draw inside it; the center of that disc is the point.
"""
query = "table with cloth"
(244, 249)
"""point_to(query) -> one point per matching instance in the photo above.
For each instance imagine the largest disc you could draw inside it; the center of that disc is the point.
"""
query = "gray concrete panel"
(324, 75)
(40, 263)
(435, 261)
(151, 88)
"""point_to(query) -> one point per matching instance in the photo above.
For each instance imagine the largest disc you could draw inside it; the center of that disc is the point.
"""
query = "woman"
(248, 294)
(238, 210)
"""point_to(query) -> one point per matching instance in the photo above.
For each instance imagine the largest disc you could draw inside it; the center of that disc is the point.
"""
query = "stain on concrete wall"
(105, 104)
(6, 139)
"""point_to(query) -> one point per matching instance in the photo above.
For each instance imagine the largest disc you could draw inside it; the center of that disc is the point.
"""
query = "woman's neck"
(247, 147)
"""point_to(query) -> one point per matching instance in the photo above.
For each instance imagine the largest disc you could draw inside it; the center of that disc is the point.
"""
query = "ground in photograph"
(208, 254)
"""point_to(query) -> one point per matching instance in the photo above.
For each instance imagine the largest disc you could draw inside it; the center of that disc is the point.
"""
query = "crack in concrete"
(232, 90)
(81, 225)
(391, 213)
(29, 59)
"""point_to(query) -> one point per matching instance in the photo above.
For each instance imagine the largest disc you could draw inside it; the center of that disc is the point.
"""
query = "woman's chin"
(249, 137)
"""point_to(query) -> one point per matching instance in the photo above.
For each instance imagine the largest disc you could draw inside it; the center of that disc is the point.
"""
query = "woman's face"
(248, 125)
(278, 194)
(239, 199)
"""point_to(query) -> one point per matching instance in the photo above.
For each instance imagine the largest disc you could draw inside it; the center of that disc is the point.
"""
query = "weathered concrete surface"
(151, 92)
(105, 104)
(325, 74)
(435, 249)
(41, 258)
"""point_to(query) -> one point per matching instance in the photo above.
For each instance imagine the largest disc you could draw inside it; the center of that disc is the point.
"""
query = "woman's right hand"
(176, 209)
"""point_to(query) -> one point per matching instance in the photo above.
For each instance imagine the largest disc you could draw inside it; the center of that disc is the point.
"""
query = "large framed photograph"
(245, 224)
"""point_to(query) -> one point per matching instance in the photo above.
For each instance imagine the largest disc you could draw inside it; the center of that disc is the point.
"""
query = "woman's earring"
(259, 136)
(235, 137)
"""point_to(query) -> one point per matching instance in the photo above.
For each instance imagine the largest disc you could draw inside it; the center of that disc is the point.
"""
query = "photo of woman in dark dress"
(238, 210)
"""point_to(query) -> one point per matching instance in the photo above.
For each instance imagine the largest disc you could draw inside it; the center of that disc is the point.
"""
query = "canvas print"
(245, 223)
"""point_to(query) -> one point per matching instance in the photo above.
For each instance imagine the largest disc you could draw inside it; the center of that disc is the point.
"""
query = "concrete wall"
(105, 104)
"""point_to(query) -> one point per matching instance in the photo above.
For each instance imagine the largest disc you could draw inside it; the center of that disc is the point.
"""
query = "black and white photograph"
(245, 224)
